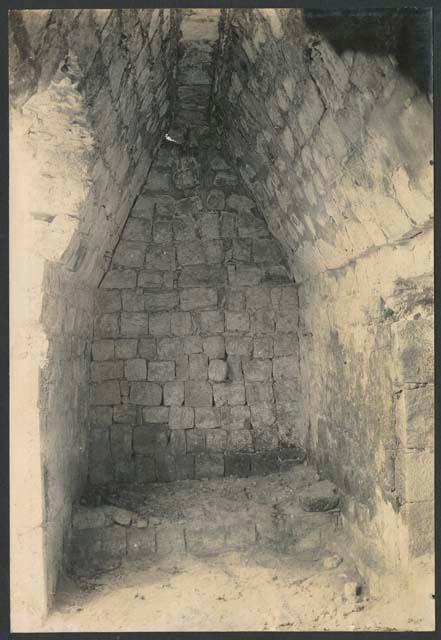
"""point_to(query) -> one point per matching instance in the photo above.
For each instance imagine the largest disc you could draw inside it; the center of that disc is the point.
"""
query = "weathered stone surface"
(134, 324)
(155, 415)
(198, 394)
(174, 393)
(136, 369)
(209, 465)
(257, 370)
(107, 393)
(146, 393)
(217, 370)
(321, 496)
(103, 350)
(119, 279)
(201, 298)
(181, 418)
(231, 393)
(198, 365)
(161, 371)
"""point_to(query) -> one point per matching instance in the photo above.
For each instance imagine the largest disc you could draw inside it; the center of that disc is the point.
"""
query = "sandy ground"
(260, 590)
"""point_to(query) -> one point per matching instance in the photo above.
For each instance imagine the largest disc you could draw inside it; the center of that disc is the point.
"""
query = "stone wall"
(90, 100)
(337, 151)
(195, 359)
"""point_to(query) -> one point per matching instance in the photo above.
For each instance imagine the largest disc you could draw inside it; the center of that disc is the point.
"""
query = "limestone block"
(414, 348)
(241, 250)
(145, 393)
(287, 390)
(87, 517)
(195, 441)
(201, 276)
(198, 394)
(258, 392)
(158, 181)
(157, 301)
(235, 299)
(161, 371)
(420, 520)
(109, 370)
(227, 225)
(192, 344)
(217, 370)
(263, 347)
(263, 415)
(237, 464)
(257, 370)
(133, 300)
(231, 393)
(107, 301)
(141, 542)
(198, 366)
(266, 440)
(147, 348)
(124, 413)
(190, 252)
(258, 298)
(212, 321)
(160, 257)
(119, 279)
(417, 424)
(240, 440)
(182, 367)
(145, 468)
(169, 348)
(207, 417)
(134, 324)
(136, 369)
(285, 344)
(209, 465)
(201, 298)
(184, 228)
(214, 347)
(162, 230)
(245, 276)
(321, 496)
(174, 393)
(129, 254)
(181, 418)
(216, 440)
(238, 345)
(103, 350)
(181, 324)
(237, 321)
(210, 226)
(264, 463)
(101, 416)
(151, 279)
(235, 417)
(125, 348)
(148, 438)
(287, 320)
(262, 321)
(414, 475)
(216, 200)
(165, 467)
(213, 251)
(106, 393)
(160, 324)
(155, 415)
(107, 325)
(178, 443)
(137, 230)
(286, 367)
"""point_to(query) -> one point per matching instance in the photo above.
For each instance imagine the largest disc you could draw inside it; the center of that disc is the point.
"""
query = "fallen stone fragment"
(122, 517)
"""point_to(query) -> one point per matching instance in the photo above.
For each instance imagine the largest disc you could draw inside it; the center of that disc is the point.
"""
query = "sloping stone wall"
(91, 93)
(195, 360)
(337, 151)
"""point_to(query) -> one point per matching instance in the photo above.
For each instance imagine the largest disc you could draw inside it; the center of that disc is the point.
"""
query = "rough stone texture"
(200, 316)
(336, 150)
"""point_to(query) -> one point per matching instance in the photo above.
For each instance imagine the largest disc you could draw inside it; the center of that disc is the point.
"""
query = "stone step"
(200, 518)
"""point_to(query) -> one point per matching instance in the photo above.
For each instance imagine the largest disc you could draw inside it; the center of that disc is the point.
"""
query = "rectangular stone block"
(217, 370)
(258, 392)
(205, 541)
(286, 367)
(231, 393)
(155, 301)
(207, 417)
(160, 257)
(285, 344)
(235, 299)
(245, 276)
(195, 441)
(242, 250)
(257, 370)
(414, 349)
(234, 418)
(135, 369)
(137, 229)
(146, 393)
(103, 350)
(417, 423)
(174, 393)
(156, 415)
(267, 251)
(190, 252)
(267, 439)
(263, 415)
(109, 370)
(240, 440)
(184, 466)
(201, 276)
(214, 251)
(234, 368)
(134, 324)
(169, 348)
(263, 347)
(198, 366)
(129, 254)
(262, 321)
(258, 298)
(182, 367)
(216, 440)
(151, 279)
(214, 347)
(287, 390)
(147, 348)
(264, 463)
(177, 442)
(191, 344)
(238, 345)
(162, 371)
(198, 394)
(106, 393)
(201, 298)
(162, 230)
(237, 321)
(210, 226)
(287, 320)
(106, 326)
(125, 348)
(145, 468)
(165, 467)
(119, 279)
(241, 534)
(160, 324)
(237, 464)
(181, 324)
(107, 301)
(124, 414)
(212, 321)
(181, 418)
(101, 416)
(415, 475)
(141, 543)
(209, 465)
(87, 518)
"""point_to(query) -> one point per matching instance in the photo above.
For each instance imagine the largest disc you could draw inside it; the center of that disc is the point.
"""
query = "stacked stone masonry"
(195, 359)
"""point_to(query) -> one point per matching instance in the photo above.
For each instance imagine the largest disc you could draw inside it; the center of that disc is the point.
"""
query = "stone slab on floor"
(200, 518)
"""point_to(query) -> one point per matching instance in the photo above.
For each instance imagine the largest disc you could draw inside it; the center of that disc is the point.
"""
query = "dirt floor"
(257, 590)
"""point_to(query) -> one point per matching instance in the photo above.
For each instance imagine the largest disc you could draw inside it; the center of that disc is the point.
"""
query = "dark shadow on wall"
(403, 33)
